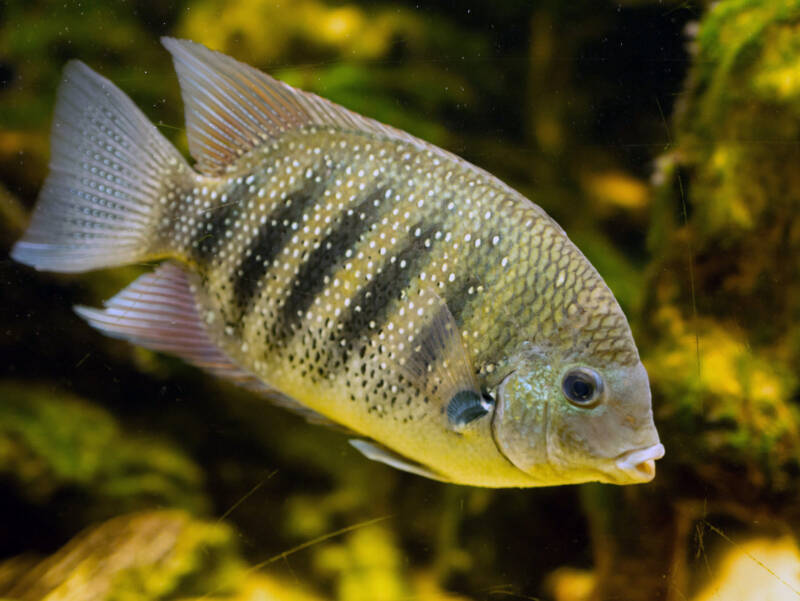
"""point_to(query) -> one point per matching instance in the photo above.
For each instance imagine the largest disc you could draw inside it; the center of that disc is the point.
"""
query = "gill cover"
(520, 421)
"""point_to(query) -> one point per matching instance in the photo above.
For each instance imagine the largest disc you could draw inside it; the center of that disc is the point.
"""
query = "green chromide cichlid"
(350, 271)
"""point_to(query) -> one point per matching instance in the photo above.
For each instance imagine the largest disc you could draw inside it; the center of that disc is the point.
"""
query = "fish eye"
(583, 387)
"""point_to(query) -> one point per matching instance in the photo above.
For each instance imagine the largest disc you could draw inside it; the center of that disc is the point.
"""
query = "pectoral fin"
(376, 452)
(425, 346)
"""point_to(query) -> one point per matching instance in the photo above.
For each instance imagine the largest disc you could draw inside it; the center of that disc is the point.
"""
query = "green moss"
(50, 441)
(740, 115)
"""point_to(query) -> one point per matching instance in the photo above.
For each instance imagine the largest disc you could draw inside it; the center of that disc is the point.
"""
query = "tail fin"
(112, 174)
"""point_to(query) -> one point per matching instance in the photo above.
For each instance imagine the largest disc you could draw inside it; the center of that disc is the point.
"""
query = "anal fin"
(158, 311)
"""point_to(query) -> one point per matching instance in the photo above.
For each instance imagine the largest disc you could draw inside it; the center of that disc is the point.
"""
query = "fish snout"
(639, 465)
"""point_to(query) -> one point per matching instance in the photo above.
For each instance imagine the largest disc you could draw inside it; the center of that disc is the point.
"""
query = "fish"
(348, 271)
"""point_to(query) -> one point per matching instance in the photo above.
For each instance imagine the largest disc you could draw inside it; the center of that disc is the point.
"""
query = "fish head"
(565, 421)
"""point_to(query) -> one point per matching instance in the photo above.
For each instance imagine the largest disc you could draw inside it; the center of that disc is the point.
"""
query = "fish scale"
(351, 272)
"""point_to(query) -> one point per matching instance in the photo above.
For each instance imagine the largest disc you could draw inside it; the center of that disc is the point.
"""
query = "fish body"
(352, 271)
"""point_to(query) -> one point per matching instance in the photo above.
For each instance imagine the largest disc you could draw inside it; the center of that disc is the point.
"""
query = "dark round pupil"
(581, 389)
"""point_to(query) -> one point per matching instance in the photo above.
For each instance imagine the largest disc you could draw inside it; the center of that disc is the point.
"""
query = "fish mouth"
(639, 465)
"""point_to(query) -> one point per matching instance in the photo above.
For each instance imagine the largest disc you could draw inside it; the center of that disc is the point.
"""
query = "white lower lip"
(640, 464)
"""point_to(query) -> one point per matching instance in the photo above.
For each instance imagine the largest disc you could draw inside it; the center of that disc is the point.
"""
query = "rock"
(149, 556)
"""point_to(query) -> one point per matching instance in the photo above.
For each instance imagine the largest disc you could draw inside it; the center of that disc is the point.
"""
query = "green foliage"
(729, 405)
(41, 35)
(369, 80)
(369, 566)
(723, 284)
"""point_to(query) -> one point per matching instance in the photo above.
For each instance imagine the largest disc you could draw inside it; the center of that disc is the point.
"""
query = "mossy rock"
(51, 442)
(730, 187)
(723, 289)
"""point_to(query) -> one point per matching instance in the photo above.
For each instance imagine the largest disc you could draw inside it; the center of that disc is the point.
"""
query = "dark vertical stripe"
(208, 237)
(268, 242)
(325, 260)
(372, 302)
(216, 221)
(457, 296)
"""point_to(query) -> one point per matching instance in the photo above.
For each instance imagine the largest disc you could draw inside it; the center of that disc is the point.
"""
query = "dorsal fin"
(232, 107)
(425, 345)
(158, 311)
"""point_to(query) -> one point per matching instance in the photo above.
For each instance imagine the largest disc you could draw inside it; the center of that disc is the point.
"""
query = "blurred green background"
(664, 136)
